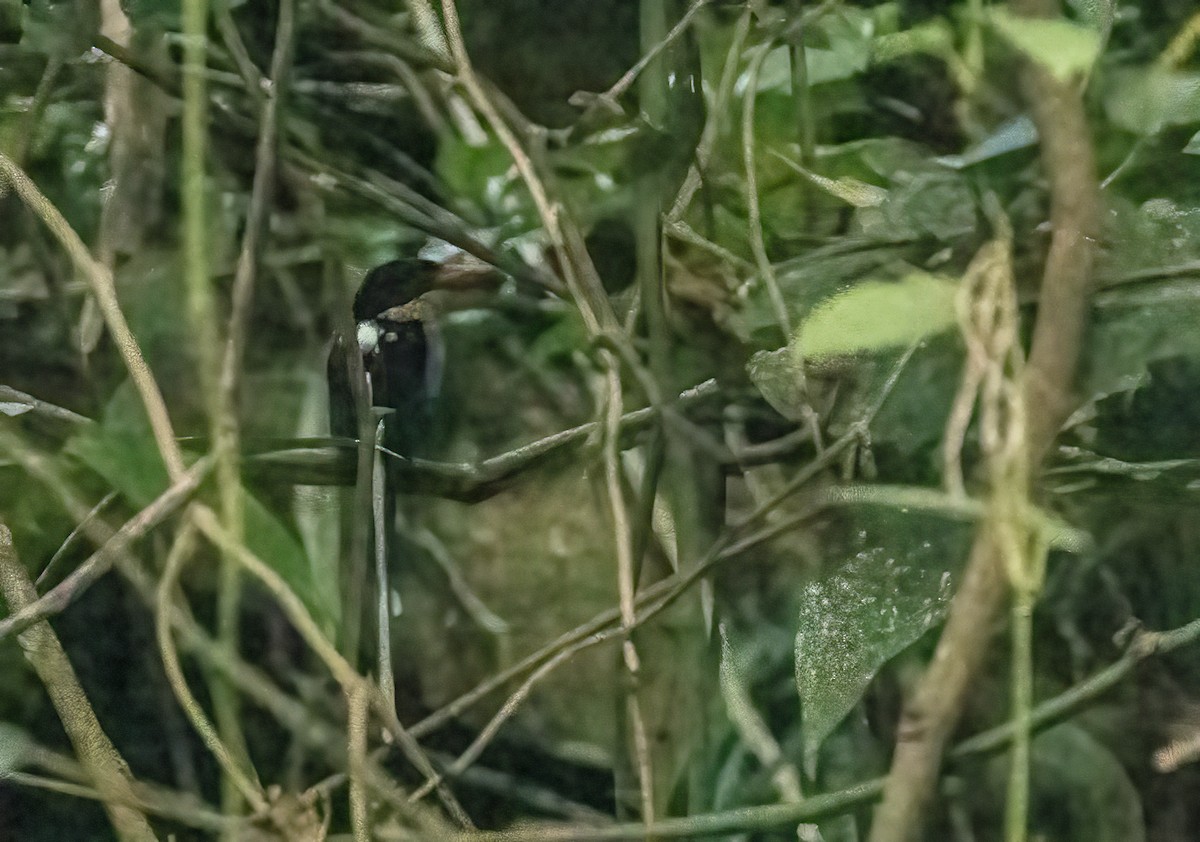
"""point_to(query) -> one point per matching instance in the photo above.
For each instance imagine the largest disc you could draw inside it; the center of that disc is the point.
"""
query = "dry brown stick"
(933, 710)
(99, 758)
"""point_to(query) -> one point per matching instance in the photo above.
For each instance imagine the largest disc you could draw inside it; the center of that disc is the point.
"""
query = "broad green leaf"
(1152, 304)
(1095, 801)
(1146, 100)
(1193, 145)
(936, 203)
(1135, 327)
(839, 47)
(875, 315)
(128, 460)
(893, 589)
(1065, 49)
(779, 377)
(121, 450)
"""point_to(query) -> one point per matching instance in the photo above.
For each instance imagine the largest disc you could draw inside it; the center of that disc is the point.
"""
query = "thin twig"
(766, 272)
(100, 562)
(383, 614)
(626, 587)
(356, 728)
(244, 779)
(103, 764)
(100, 281)
(609, 98)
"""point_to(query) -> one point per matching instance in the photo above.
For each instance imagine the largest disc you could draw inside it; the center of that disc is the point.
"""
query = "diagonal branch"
(933, 710)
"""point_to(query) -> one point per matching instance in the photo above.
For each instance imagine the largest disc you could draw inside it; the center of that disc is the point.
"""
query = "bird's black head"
(393, 284)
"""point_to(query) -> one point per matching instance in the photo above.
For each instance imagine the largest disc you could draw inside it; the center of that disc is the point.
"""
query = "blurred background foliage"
(878, 131)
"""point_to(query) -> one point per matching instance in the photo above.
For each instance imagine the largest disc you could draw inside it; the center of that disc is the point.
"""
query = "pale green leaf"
(1146, 100)
(1065, 49)
(14, 748)
(779, 376)
(1018, 133)
(875, 315)
(934, 37)
(893, 589)
(853, 192)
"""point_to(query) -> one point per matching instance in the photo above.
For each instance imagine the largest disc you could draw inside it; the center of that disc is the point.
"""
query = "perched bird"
(401, 372)
(395, 324)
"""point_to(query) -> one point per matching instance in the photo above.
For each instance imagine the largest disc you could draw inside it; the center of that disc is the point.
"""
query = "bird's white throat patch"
(369, 333)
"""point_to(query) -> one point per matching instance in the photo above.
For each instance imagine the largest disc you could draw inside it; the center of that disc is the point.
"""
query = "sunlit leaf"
(1193, 145)
(14, 408)
(1064, 48)
(875, 315)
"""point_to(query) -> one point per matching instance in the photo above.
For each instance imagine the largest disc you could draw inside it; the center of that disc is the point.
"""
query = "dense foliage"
(822, 324)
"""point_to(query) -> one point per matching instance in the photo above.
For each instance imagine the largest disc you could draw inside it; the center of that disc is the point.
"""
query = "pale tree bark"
(933, 709)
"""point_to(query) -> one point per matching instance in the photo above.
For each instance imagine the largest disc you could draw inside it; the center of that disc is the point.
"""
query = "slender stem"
(100, 280)
(244, 779)
(387, 681)
(766, 272)
(1016, 814)
(356, 728)
(104, 765)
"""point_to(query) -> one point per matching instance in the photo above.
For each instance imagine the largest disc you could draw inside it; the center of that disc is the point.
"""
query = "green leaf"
(1064, 48)
(839, 47)
(1094, 798)
(1017, 133)
(779, 377)
(889, 593)
(913, 416)
(1193, 145)
(875, 315)
(121, 450)
(14, 748)
(1146, 100)
(1134, 328)
(128, 461)
(853, 192)
(933, 37)
(938, 203)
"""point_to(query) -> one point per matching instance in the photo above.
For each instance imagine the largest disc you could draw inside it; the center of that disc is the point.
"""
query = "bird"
(395, 313)
(402, 371)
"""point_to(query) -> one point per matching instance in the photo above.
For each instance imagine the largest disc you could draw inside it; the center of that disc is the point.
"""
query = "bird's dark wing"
(399, 377)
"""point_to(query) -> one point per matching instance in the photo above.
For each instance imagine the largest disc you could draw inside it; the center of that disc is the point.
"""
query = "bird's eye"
(368, 336)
